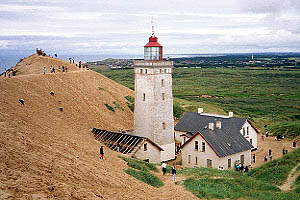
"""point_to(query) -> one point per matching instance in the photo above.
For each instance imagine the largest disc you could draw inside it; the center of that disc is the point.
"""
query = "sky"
(123, 27)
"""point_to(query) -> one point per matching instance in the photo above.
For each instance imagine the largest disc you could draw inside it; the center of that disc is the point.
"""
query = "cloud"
(117, 27)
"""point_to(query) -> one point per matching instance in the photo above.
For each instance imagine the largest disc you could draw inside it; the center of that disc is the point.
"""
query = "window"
(146, 71)
(242, 159)
(164, 125)
(162, 83)
(160, 70)
(151, 53)
(165, 70)
(141, 70)
(196, 160)
(244, 131)
(144, 96)
(203, 146)
(163, 96)
(145, 147)
(248, 130)
(229, 163)
(189, 158)
(209, 163)
(196, 145)
(250, 141)
(184, 139)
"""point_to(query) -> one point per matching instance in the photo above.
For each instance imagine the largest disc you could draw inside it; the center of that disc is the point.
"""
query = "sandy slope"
(46, 153)
(34, 64)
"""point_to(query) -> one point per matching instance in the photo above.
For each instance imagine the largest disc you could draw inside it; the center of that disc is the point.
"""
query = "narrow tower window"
(144, 96)
(164, 125)
(160, 71)
(163, 96)
(162, 83)
(165, 70)
(145, 147)
(146, 71)
(141, 70)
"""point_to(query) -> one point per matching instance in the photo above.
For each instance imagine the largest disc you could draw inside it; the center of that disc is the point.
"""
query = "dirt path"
(172, 190)
(290, 180)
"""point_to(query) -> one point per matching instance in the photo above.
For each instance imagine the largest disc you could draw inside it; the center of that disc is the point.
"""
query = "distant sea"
(8, 61)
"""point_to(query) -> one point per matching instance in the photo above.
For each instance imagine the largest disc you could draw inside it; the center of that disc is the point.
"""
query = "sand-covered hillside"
(35, 64)
(48, 153)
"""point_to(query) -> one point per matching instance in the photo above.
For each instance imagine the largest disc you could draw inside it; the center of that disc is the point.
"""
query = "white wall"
(169, 152)
(189, 149)
(251, 135)
(152, 153)
(236, 158)
(177, 136)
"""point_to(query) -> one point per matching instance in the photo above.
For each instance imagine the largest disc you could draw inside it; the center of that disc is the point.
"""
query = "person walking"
(44, 70)
(164, 168)
(118, 147)
(265, 159)
(246, 169)
(101, 152)
(173, 173)
(283, 151)
(271, 157)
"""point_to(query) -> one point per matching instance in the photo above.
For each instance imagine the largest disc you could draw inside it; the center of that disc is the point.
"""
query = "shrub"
(177, 111)
(130, 102)
(118, 106)
(109, 107)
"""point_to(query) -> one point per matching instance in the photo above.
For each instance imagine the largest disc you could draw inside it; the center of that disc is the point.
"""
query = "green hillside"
(267, 97)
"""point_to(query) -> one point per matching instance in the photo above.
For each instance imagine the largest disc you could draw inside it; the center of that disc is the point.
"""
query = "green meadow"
(266, 96)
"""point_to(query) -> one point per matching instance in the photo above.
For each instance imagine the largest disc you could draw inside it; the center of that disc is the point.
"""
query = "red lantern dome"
(153, 50)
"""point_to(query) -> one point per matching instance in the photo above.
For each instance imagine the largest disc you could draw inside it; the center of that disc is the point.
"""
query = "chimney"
(230, 114)
(200, 110)
(218, 124)
(211, 126)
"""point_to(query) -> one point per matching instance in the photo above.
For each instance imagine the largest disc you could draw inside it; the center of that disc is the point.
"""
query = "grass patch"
(130, 102)
(118, 106)
(244, 188)
(109, 107)
(289, 129)
(139, 164)
(146, 177)
(276, 171)
(202, 172)
(297, 184)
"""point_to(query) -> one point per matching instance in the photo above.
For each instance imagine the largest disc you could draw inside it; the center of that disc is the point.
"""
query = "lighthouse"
(153, 112)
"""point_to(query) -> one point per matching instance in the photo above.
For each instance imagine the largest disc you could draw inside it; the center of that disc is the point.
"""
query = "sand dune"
(46, 153)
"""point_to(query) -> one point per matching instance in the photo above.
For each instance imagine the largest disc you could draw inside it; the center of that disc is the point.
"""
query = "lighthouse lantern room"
(153, 50)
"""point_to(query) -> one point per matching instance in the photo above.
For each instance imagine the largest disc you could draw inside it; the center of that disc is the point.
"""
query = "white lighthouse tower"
(153, 112)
